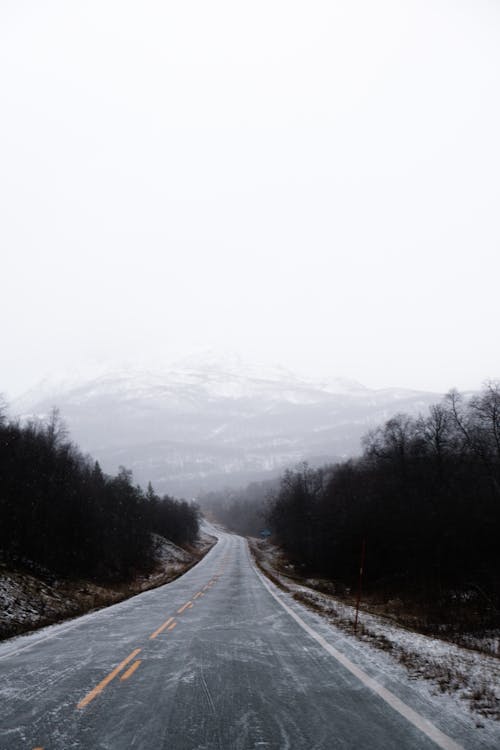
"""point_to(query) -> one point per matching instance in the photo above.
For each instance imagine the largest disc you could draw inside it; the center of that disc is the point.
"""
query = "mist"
(315, 186)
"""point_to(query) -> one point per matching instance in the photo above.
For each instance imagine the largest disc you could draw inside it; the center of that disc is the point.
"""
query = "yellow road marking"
(111, 676)
(130, 671)
(160, 629)
(181, 610)
(172, 626)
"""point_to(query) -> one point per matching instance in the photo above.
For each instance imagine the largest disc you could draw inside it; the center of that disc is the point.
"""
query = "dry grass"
(29, 602)
(443, 673)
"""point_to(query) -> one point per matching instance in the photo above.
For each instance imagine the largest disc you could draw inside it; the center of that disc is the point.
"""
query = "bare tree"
(436, 433)
(3, 409)
(57, 431)
(485, 410)
(460, 418)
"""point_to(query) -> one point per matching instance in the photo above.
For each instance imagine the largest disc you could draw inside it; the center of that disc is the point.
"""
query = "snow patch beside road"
(29, 601)
(435, 667)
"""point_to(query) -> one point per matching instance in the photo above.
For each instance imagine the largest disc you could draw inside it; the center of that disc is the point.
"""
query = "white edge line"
(57, 631)
(424, 725)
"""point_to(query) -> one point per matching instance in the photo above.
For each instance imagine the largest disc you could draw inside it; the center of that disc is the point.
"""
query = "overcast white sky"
(310, 183)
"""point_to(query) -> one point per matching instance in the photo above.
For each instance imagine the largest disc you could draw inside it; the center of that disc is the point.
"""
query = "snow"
(470, 680)
(227, 377)
(240, 667)
(28, 601)
(187, 427)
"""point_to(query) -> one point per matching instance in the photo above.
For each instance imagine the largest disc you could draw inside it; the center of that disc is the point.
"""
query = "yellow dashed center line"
(160, 629)
(130, 671)
(111, 676)
(169, 624)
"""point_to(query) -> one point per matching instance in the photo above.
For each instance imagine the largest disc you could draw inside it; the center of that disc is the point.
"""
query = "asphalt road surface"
(212, 660)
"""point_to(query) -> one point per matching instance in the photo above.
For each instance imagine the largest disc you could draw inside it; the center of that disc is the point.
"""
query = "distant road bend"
(216, 659)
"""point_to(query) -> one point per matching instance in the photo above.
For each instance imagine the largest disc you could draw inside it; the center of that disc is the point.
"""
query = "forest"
(242, 510)
(424, 498)
(59, 510)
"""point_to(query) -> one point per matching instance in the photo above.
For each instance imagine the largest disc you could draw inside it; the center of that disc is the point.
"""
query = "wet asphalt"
(209, 661)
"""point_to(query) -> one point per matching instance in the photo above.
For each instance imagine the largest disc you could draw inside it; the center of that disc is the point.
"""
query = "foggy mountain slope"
(203, 424)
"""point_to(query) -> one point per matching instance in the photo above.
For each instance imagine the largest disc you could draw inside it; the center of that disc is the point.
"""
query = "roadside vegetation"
(241, 510)
(425, 500)
(470, 674)
(59, 512)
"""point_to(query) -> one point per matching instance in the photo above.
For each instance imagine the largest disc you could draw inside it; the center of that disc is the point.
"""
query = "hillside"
(206, 423)
(32, 597)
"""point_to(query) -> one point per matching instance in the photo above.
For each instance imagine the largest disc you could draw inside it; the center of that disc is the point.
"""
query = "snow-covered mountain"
(205, 423)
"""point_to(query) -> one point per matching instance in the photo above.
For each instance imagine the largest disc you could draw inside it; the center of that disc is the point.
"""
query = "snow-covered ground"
(29, 601)
(469, 678)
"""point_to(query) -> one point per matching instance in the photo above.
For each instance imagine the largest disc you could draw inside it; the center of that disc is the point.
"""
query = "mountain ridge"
(196, 426)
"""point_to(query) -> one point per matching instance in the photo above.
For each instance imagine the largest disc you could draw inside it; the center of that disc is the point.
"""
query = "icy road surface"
(217, 659)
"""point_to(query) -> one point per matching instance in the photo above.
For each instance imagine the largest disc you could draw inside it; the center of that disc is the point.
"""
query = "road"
(212, 660)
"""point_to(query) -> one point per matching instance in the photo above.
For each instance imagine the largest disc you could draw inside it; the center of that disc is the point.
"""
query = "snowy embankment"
(470, 678)
(32, 600)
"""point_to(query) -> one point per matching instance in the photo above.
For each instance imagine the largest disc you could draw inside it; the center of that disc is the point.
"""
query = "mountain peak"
(233, 364)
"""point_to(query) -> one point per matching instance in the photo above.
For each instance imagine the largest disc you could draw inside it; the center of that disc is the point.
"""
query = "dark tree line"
(60, 511)
(174, 519)
(425, 495)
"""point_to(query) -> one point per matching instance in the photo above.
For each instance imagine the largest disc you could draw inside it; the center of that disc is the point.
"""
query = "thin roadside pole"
(361, 566)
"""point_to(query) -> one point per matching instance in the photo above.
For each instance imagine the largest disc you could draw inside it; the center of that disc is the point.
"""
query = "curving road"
(215, 659)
